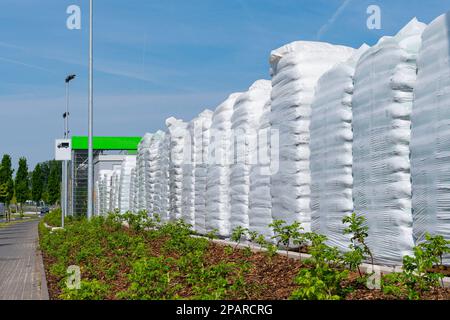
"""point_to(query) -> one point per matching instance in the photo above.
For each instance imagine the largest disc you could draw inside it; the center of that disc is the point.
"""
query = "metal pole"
(90, 115)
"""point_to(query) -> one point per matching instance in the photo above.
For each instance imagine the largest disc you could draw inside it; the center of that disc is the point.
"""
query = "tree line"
(41, 184)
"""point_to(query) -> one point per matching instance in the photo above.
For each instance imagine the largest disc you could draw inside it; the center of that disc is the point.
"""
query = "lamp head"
(70, 78)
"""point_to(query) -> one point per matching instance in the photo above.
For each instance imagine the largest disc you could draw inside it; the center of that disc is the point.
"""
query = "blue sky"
(155, 59)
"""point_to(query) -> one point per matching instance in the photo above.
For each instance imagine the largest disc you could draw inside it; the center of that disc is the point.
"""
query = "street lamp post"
(90, 115)
(65, 162)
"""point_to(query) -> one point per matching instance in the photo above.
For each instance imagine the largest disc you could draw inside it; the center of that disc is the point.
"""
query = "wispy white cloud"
(28, 65)
(324, 28)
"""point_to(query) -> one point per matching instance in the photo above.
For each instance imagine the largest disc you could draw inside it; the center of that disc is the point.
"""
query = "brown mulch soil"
(267, 279)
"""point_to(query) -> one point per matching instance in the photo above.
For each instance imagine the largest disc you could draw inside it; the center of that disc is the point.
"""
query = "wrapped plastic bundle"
(178, 131)
(382, 103)
(133, 192)
(248, 110)
(155, 172)
(104, 191)
(260, 199)
(128, 164)
(202, 140)
(97, 198)
(142, 170)
(295, 70)
(430, 139)
(218, 173)
(331, 152)
(115, 185)
(164, 152)
(188, 183)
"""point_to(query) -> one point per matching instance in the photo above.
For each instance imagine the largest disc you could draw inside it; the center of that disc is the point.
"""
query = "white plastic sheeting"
(201, 151)
(177, 131)
(331, 152)
(128, 164)
(115, 187)
(164, 182)
(295, 69)
(153, 190)
(245, 122)
(430, 136)
(218, 172)
(142, 171)
(260, 199)
(382, 103)
(133, 190)
(104, 189)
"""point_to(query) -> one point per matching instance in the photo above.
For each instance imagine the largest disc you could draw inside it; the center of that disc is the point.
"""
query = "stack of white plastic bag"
(142, 171)
(430, 137)
(133, 189)
(177, 131)
(201, 136)
(384, 80)
(331, 152)
(104, 188)
(260, 199)
(152, 177)
(247, 112)
(295, 70)
(188, 182)
(218, 172)
(115, 186)
(164, 154)
(128, 164)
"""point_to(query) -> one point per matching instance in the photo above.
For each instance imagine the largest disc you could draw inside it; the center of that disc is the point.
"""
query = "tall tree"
(6, 182)
(37, 184)
(54, 183)
(22, 184)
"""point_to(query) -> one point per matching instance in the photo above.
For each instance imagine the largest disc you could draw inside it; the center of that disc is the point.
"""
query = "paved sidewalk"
(22, 274)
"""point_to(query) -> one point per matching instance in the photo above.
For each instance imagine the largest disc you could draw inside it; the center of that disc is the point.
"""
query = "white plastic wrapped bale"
(97, 198)
(260, 199)
(218, 172)
(248, 110)
(430, 137)
(115, 186)
(331, 152)
(133, 189)
(295, 70)
(202, 141)
(382, 103)
(188, 183)
(107, 176)
(178, 131)
(104, 190)
(128, 164)
(154, 195)
(142, 170)
(164, 151)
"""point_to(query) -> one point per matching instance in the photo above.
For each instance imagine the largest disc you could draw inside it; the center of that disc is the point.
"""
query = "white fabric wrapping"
(201, 141)
(153, 176)
(128, 164)
(218, 172)
(248, 110)
(133, 189)
(115, 185)
(164, 182)
(331, 152)
(430, 137)
(260, 199)
(142, 171)
(382, 103)
(178, 131)
(295, 69)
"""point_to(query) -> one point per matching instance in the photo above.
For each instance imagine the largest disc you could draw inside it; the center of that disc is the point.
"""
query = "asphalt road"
(21, 271)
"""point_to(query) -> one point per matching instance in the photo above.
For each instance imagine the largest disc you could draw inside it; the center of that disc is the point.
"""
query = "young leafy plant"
(237, 235)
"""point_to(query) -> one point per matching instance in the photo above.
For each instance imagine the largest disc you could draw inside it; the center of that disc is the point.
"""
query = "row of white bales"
(335, 131)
